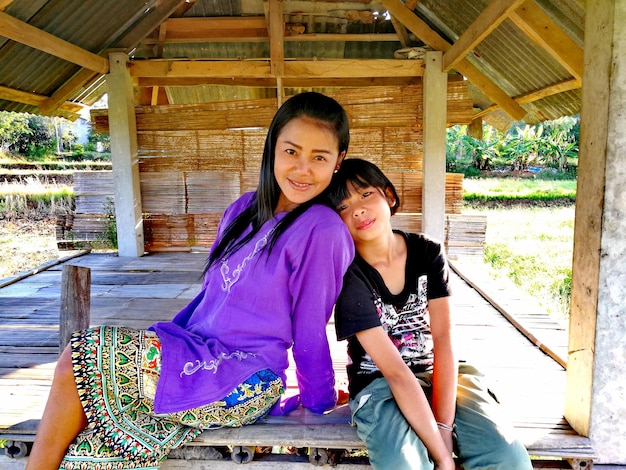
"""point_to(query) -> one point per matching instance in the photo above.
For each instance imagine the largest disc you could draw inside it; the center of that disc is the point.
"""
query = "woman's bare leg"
(63, 418)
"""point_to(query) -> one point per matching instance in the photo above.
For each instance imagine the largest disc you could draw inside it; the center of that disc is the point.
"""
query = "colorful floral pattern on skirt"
(116, 371)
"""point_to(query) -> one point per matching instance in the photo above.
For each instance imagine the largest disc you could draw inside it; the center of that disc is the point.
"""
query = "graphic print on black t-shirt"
(408, 326)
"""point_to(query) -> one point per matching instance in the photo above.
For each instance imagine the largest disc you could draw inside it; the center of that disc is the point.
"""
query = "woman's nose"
(302, 166)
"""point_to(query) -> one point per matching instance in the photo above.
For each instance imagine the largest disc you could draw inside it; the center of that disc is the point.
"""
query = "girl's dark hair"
(362, 174)
(330, 114)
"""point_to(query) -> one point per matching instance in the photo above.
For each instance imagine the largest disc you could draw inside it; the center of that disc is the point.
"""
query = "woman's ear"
(342, 155)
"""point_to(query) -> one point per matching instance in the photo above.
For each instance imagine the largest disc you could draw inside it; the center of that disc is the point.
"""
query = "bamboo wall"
(194, 160)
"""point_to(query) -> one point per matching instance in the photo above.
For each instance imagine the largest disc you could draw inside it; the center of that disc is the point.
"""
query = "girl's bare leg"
(63, 418)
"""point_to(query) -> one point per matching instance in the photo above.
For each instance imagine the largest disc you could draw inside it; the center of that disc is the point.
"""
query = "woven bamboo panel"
(366, 107)
(366, 144)
(463, 234)
(216, 115)
(93, 191)
(253, 143)
(409, 188)
(249, 180)
(211, 191)
(402, 149)
(182, 231)
(163, 193)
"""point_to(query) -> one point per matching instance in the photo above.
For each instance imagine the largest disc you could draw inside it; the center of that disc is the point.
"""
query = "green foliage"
(12, 126)
(110, 224)
(552, 144)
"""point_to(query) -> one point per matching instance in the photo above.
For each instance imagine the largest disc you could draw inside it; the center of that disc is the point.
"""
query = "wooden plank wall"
(194, 160)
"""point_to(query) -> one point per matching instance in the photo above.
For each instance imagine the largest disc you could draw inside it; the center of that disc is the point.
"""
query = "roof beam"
(19, 96)
(293, 69)
(490, 18)
(151, 20)
(24, 33)
(296, 82)
(536, 95)
(537, 25)
(479, 80)
(245, 29)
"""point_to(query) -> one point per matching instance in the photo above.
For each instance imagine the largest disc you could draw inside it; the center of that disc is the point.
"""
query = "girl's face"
(366, 212)
(306, 155)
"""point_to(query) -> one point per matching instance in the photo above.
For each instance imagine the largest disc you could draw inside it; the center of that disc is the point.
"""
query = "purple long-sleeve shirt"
(253, 308)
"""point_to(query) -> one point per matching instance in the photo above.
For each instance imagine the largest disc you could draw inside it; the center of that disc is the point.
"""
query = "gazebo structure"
(190, 82)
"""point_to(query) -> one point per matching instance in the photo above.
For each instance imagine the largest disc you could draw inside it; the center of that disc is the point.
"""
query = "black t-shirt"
(365, 302)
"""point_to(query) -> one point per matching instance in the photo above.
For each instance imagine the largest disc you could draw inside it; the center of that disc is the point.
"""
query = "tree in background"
(551, 144)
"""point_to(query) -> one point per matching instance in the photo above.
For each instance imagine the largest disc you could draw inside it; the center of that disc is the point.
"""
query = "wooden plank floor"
(139, 291)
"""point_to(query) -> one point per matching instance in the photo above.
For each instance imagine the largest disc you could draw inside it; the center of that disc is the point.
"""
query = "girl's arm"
(407, 392)
(445, 370)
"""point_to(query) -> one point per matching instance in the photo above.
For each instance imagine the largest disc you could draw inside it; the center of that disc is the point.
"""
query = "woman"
(412, 404)
(124, 398)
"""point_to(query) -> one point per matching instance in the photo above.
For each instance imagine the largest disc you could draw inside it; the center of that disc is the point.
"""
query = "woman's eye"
(320, 158)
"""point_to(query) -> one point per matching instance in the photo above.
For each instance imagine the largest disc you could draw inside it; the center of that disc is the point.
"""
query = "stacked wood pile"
(194, 160)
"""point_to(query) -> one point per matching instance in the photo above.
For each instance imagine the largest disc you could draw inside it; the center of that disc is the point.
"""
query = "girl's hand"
(447, 464)
(447, 438)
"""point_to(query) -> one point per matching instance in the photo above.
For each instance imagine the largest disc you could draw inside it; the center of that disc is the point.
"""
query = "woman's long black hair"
(310, 104)
(362, 174)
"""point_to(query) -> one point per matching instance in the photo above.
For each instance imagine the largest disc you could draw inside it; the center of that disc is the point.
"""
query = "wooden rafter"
(33, 99)
(415, 24)
(536, 95)
(531, 19)
(490, 18)
(157, 15)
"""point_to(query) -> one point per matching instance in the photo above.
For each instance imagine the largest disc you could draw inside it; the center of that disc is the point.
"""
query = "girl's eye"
(341, 208)
(366, 194)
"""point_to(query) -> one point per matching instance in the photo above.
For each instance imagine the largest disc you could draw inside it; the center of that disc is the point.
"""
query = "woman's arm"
(314, 287)
(445, 370)
(407, 392)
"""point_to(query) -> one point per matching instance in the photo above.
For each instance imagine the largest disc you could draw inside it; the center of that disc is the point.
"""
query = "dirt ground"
(26, 244)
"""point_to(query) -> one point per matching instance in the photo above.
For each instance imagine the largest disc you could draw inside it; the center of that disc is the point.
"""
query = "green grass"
(533, 246)
(511, 189)
(32, 196)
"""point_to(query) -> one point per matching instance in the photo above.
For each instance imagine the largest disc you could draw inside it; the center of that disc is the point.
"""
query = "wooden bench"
(319, 440)
(322, 439)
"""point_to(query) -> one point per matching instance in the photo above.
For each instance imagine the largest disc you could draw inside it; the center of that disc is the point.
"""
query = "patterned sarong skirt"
(116, 371)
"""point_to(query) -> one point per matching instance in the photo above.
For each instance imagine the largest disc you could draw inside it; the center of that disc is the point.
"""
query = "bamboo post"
(75, 302)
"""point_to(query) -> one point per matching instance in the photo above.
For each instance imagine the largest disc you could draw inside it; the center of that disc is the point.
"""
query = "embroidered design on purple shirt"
(191, 368)
(225, 268)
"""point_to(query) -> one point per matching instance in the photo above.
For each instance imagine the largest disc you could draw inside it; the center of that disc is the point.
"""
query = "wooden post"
(75, 302)
(434, 164)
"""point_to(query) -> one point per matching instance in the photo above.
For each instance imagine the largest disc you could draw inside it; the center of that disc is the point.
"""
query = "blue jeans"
(481, 441)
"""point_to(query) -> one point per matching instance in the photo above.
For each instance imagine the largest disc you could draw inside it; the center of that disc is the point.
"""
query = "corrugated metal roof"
(507, 56)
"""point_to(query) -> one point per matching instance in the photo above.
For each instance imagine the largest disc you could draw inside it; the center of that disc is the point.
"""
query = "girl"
(410, 401)
(123, 398)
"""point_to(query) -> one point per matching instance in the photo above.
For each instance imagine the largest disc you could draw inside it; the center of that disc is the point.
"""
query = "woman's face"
(306, 155)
